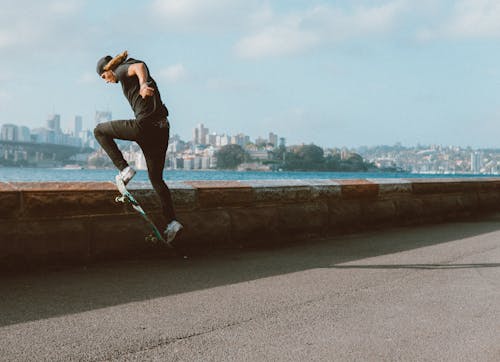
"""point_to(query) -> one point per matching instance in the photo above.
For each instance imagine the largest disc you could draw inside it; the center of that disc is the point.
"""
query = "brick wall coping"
(381, 182)
(46, 222)
(66, 199)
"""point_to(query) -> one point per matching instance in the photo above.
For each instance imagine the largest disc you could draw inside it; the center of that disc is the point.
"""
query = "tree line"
(295, 158)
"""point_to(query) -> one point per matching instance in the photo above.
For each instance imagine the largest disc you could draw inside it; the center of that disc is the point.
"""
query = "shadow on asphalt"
(35, 296)
(419, 266)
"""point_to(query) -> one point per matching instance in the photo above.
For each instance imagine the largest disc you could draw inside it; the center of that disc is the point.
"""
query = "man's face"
(109, 76)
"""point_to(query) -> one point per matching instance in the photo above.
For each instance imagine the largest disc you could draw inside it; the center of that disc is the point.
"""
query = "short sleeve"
(121, 71)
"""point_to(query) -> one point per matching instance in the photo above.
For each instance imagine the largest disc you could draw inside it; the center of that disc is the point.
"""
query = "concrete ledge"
(80, 222)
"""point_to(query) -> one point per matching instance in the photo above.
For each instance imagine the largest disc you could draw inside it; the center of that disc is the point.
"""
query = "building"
(24, 134)
(240, 139)
(260, 141)
(273, 139)
(200, 134)
(88, 139)
(9, 132)
(188, 162)
(44, 135)
(54, 123)
(222, 140)
(78, 126)
(261, 155)
(102, 116)
(212, 139)
(476, 162)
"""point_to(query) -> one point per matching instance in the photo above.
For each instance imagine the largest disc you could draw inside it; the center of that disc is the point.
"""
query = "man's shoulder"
(130, 61)
(122, 70)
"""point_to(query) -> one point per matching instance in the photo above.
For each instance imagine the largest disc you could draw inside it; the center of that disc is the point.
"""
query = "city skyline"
(53, 123)
(199, 152)
(107, 115)
(347, 73)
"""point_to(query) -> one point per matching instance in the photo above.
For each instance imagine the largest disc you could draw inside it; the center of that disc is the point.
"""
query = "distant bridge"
(13, 152)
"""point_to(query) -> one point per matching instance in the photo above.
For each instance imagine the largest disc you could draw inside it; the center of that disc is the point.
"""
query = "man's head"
(108, 75)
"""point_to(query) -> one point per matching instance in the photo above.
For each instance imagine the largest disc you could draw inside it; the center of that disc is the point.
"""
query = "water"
(11, 174)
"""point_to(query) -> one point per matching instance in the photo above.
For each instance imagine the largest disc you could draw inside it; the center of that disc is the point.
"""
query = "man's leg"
(155, 150)
(155, 171)
(154, 145)
(107, 132)
(156, 163)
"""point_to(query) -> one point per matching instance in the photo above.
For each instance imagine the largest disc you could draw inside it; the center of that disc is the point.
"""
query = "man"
(150, 128)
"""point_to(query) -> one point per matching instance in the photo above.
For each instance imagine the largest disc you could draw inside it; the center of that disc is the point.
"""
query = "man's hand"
(146, 91)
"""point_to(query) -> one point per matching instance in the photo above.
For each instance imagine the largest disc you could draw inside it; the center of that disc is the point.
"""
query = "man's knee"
(98, 131)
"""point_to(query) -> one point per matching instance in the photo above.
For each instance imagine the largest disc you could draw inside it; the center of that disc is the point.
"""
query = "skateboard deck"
(127, 198)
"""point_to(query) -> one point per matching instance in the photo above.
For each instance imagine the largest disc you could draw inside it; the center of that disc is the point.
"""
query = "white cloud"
(468, 19)
(266, 32)
(26, 23)
(65, 7)
(204, 15)
(339, 24)
(284, 39)
(478, 18)
(174, 73)
(298, 32)
(6, 38)
(19, 34)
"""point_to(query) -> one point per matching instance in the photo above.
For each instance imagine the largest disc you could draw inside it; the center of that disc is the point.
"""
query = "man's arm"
(139, 70)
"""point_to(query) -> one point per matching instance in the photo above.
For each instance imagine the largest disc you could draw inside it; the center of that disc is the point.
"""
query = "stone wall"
(80, 222)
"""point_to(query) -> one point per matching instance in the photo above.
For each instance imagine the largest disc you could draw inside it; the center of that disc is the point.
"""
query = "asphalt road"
(429, 293)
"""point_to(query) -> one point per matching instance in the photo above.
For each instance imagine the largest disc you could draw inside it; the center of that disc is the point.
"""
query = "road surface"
(416, 293)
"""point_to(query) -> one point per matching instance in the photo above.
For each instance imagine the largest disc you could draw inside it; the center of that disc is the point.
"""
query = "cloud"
(27, 23)
(204, 15)
(64, 7)
(282, 39)
(265, 32)
(359, 21)
(174, 73)
(298, 32)
(468, 19)
(7, 38)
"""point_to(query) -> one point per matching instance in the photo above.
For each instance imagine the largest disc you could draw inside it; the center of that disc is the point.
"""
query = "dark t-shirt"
(150, 108)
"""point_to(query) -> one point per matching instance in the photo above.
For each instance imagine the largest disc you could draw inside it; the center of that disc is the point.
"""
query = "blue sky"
(333, 73)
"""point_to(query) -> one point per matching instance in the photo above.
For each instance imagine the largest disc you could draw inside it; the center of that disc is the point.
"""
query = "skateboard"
(127, 198)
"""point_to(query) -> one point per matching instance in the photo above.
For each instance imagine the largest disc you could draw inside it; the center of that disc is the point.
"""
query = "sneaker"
(171, 231)
(127, 174)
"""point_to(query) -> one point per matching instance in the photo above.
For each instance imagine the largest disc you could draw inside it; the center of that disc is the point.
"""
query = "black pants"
(152, 137)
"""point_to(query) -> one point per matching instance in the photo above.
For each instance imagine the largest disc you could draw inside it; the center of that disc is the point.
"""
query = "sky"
(333, 73)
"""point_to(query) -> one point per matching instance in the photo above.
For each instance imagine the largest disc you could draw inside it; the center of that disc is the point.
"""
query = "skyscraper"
(273, 138)
(54, 123)
(200, 134)
(78, 126)
(9, 132)
(476, 162)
